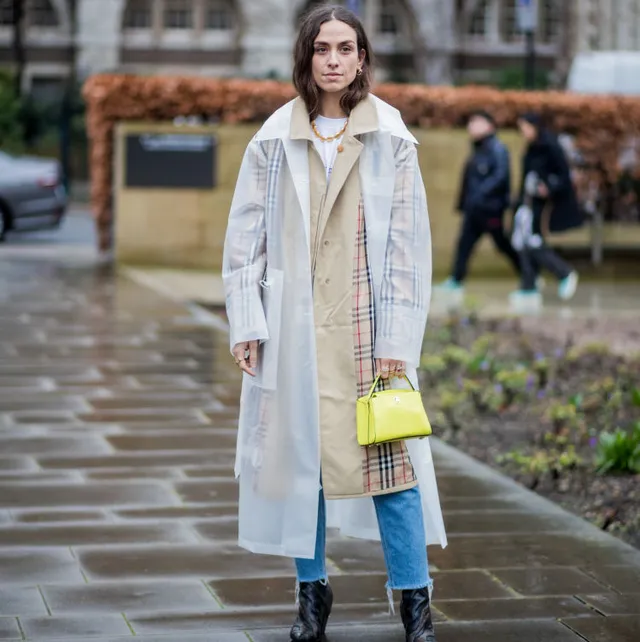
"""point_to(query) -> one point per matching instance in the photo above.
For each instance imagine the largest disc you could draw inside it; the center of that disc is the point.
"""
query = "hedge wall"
(600, 124)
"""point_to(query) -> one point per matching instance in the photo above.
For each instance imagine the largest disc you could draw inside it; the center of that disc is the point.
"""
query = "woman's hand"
(246, 356)
(389, 368)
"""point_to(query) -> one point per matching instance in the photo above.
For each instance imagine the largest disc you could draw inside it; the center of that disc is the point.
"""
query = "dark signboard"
(178, 161)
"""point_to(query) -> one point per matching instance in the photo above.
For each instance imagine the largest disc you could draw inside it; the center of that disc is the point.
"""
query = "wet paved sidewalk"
(118, 506)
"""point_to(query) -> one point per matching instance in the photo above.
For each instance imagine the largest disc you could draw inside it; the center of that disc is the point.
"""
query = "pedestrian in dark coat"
(547, 203)
(484, 196)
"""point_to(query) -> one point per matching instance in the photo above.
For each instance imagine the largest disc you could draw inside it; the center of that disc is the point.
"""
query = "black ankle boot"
(316, 600)
(416, 616)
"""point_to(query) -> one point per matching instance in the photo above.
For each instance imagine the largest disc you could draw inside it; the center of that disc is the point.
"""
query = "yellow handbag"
(391, 415)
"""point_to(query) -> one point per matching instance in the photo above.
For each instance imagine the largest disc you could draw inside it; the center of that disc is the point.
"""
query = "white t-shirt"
(328, 150)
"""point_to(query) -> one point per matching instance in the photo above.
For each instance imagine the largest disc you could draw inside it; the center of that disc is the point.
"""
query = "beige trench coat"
(348, 470)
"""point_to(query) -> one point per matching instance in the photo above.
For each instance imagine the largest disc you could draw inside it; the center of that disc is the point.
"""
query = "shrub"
(619, 451)
(602, 123)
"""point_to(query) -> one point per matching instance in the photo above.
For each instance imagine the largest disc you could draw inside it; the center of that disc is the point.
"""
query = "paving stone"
(611, 629)
(102, 494)
(464, 486)
(32, 566)
(550, 608)
(253, 619)
(147, 473)
(43, 403)
(201, 561)
(21, 477)
(46, 418)
(166, 400)
(129, 597)
(137, 460)
(44, 517)
(224, 470)
(17, 463)
(526, 631)
(19, 601)
(625, 579)
(192, 440)
(180, 512)
(548, 581)
(500, 551)
(89, 444)
(130, 416)
(79, 535)
(492, 522)
(219, 490)
(613, 604)
(9, 629)
(451, 505)
(74, 627)
(225, 636)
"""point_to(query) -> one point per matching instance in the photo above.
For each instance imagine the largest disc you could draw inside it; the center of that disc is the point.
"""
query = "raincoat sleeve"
(244, 258)
(406, 282)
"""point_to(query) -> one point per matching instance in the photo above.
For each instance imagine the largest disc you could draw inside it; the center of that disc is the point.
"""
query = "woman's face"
(336, 59)
(528, 131)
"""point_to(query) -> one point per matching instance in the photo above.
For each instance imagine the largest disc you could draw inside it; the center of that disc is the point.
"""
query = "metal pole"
(530, 60)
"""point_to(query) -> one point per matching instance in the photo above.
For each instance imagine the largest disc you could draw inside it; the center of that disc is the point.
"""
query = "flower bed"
(562, 419)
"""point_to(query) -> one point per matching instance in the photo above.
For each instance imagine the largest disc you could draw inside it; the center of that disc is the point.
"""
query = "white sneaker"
(568, 286)
(525, 300)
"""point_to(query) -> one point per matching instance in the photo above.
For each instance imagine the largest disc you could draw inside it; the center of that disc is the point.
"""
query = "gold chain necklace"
(328, 139)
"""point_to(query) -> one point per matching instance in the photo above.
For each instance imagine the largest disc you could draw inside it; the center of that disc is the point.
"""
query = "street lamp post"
(528, 23)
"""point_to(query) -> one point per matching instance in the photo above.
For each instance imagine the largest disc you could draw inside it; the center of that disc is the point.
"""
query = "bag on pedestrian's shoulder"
(391, 415)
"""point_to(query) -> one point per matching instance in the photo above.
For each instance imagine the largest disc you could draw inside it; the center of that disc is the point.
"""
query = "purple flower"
(531, 381)
(559, 352)
(541, 394)
(484, 366)
(539, 356)
(593, 442)
(498, 388)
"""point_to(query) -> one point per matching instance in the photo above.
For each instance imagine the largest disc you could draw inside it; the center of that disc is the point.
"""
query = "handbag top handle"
(377, 380)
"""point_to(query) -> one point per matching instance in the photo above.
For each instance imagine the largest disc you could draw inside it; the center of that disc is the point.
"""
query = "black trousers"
(537, 255)
(474, 227)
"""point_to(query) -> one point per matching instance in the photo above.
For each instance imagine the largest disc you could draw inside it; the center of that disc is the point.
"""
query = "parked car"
(32, 194)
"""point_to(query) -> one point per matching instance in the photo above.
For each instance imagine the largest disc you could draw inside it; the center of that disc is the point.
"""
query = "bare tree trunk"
(19, 54)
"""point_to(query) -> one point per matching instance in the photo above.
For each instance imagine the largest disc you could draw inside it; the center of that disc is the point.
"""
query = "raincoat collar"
(371, 115)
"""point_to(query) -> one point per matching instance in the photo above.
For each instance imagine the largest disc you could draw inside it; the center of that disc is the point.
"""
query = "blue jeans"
(404, 545)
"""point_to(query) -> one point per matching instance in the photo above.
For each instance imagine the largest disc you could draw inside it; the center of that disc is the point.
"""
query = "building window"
(510, 27)
(178, 14)
(138, 14)
(550, 21)
(40, 13)
(220, 15)
(6, 12)
(389, 12)
(479, 21)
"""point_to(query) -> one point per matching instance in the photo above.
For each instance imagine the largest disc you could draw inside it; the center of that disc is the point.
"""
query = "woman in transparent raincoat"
(327, 271)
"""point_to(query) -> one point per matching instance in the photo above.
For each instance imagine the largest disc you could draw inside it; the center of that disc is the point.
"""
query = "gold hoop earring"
(359, 72)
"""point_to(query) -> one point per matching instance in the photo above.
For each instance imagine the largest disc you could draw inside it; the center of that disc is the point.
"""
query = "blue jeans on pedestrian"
(404, 545)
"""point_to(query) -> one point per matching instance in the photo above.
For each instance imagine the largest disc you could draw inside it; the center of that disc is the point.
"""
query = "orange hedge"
(600, 123)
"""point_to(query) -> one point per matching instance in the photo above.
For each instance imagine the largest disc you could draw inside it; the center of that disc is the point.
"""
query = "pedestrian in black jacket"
(547, 202)
(484, 196)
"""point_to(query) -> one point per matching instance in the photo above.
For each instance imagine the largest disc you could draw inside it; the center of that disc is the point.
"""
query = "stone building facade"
(434, 41)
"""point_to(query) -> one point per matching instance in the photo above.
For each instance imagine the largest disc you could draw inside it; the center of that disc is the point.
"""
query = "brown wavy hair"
(304, 51)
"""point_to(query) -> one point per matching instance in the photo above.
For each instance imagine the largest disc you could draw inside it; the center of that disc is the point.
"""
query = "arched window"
(220, 15)
(138, 14)
(479, 21)
(41, 13)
